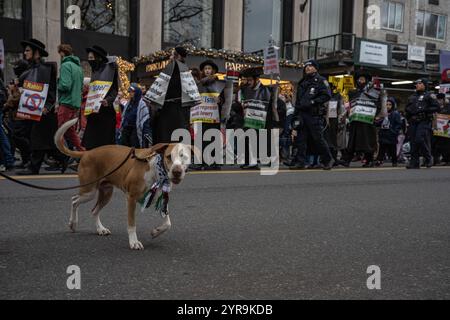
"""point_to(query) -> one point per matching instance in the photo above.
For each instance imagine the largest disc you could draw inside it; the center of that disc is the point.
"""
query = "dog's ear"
(160, 148)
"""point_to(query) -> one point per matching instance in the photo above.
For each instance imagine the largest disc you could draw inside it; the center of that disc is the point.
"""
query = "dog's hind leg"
(165, 227)
(76, 202)
(132, 235)
(104, 197)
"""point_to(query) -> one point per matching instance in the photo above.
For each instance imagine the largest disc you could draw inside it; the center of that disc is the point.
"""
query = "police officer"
(309, 118)
(419, 113)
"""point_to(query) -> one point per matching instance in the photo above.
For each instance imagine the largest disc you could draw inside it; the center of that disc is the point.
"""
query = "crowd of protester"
(318, 129)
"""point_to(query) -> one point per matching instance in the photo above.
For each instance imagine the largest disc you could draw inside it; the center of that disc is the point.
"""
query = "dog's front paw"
(103, 232)
(136, 245)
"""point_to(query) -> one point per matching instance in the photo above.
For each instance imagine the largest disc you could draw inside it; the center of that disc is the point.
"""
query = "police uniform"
(309, 118)
(419, 113)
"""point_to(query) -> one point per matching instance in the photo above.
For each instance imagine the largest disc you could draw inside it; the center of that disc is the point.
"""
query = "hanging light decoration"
(228, 55)
(125, 68)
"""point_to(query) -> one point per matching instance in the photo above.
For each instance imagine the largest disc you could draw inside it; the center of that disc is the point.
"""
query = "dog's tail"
(59, 140)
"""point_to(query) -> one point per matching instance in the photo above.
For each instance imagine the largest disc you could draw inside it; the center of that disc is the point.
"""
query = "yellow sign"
(157, 66)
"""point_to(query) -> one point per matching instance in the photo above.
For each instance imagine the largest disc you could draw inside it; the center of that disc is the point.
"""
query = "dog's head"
(177, 158)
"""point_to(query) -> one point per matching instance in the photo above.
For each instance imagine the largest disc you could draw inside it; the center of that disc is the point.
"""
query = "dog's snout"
(177, 173)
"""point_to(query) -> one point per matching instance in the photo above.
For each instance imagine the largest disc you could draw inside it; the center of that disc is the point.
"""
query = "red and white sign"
(32, 101)
(271, 61)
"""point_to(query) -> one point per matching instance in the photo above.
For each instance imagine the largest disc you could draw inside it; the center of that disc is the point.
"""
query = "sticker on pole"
(97, 93)
(32, 101)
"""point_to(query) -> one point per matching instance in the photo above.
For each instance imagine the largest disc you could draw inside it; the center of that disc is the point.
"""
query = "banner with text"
(97, 93)
(32, 100)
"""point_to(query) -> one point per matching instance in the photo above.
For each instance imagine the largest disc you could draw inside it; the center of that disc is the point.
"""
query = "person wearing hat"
(419, 113)
(42, 130)
(101, 127)
(135, 129)
(256, 102)
(171, 96)
(441, 145)
(366, 103)
(208, 114)
(309, 122)
(390, 128)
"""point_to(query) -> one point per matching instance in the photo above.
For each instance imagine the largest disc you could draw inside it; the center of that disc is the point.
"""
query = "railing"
(320, 48)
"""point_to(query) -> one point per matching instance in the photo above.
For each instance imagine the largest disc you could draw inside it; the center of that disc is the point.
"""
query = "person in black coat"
(101, 126)
(42, 132)
(309, 119)
(390, 127)
(419, 113)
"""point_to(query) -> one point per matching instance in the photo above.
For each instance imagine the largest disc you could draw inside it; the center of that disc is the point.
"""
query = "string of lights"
(229, 55)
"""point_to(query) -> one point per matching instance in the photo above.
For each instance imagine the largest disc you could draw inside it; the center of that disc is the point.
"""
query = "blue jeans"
(5, 147)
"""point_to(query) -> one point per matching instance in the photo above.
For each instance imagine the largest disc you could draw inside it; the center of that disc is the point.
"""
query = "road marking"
(234, 172)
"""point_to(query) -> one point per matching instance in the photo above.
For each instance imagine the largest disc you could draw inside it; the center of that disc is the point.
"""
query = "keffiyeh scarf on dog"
(161, 187)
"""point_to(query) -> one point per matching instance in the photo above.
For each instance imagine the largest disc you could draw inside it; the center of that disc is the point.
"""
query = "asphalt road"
(306, 235)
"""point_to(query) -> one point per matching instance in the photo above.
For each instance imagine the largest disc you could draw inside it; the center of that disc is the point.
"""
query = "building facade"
(129, 28)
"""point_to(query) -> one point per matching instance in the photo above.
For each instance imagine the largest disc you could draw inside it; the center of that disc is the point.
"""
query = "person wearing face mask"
(390, 127)
(366, 102)
(101, 126)
(37, 106)
(309, 122)
(419, 113)
(135, 127)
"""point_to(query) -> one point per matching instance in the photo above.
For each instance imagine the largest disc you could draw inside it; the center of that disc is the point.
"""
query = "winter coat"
(390, 128)
(70, 83)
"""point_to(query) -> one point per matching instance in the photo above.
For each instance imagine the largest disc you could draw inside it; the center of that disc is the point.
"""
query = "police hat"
(36, 45)
(425, 81)
(313, 63)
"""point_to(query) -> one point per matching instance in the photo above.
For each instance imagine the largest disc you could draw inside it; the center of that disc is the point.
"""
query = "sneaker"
(2, 168)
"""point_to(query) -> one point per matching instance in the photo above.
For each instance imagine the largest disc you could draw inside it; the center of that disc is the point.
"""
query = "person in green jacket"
(70, 87)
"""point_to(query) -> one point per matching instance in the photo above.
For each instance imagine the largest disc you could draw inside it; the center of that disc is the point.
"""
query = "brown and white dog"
(134, 178)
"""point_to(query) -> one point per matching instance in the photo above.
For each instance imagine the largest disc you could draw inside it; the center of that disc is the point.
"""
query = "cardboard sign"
(189, 86)
(2, 54)
(255, 114)
(271, 61)
(442, 126)
(32, 101)
(157, 92)
(97, 93)
(348, 82)
(332, 109)
(207, 111)
(363, 111)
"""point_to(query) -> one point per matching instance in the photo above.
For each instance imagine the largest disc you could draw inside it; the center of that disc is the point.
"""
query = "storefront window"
(11, 9)
(104, 16)
(262, 19)
(188, 21)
